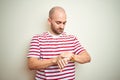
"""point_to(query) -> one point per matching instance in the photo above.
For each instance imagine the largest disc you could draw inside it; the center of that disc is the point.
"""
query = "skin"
(57, 21)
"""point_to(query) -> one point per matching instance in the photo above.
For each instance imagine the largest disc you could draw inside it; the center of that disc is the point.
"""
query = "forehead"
(59, 16)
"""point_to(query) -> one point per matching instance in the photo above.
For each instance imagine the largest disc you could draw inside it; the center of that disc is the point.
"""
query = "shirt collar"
(56, 36)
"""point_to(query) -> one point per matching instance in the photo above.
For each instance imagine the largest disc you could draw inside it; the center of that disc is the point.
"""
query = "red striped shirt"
(46, 46)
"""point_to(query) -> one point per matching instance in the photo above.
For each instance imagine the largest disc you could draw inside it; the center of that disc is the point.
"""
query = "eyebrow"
(61, 21)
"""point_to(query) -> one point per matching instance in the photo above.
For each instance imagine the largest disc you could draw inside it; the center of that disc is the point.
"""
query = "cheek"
(56, 26)
(53, 26)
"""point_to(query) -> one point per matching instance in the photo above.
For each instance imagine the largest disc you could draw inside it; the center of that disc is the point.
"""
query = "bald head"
(55, 10)
(57, 20)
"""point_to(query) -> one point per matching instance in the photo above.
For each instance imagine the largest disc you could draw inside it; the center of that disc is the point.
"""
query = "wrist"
(54, 61)
(73, 58)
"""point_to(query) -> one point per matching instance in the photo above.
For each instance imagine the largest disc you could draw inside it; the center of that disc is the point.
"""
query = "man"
(54, 53)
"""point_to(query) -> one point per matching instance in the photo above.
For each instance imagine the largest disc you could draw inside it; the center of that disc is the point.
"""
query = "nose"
(62, 25)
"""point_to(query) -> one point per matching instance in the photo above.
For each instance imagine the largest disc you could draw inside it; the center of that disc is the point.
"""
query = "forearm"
(37, 64)
(82, 58)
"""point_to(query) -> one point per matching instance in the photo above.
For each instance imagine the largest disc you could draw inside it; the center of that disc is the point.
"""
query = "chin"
(60, 32)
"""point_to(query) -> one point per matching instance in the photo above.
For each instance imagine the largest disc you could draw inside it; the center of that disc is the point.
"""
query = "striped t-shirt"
(46, 46)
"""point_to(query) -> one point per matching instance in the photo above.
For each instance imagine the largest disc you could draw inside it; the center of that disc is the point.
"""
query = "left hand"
(67, 54)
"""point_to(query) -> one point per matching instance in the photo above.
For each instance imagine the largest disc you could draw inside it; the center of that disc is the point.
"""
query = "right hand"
(63, 58)
(61, 62)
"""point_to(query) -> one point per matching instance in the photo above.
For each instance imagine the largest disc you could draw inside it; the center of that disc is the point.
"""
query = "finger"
(72, 59)
(60, 67)
(66, 61)
(67, 58)
(63, 62)
(58, 61)
(60, 64)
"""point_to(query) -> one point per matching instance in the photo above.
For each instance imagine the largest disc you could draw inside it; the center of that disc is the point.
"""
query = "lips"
(60, 30)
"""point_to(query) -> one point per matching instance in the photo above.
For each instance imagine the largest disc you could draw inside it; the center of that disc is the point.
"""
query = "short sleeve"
(78, 47)
(34, 50)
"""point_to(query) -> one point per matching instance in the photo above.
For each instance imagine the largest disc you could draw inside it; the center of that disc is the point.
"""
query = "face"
(57, 23)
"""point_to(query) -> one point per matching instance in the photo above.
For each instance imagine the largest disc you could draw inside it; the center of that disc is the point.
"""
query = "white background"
(96, 23)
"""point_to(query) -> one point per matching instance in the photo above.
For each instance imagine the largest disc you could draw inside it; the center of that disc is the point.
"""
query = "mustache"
(61, 28)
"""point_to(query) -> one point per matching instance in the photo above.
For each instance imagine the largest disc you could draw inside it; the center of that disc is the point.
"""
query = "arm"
(82, 58)
(37, 64)
(34, 63)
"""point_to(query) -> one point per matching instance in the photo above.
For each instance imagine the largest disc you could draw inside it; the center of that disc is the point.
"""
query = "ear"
(49, 21)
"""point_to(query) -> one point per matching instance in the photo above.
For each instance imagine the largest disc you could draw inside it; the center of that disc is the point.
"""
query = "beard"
(57, 30)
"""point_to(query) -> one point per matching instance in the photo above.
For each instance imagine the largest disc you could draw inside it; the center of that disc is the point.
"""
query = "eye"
(64, 23)
(58, 22)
